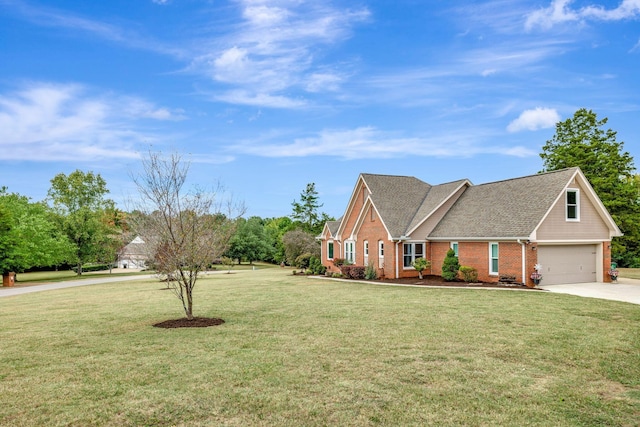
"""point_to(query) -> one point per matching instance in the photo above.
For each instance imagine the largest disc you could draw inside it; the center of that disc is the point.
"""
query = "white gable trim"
(351, 204)
(589, 192)
(362, 217)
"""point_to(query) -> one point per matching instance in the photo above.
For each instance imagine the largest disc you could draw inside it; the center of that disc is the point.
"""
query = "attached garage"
(568, 263)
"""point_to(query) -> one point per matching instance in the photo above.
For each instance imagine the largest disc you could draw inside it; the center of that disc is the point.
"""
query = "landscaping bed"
(433, 280)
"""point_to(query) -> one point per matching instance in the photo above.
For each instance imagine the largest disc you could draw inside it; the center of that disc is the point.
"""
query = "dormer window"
(573, 205)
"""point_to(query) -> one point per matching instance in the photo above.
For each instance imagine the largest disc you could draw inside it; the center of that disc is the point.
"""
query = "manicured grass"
(630, 273)
(296, 351)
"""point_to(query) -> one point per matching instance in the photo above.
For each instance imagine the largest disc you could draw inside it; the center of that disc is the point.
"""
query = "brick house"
(502, 228)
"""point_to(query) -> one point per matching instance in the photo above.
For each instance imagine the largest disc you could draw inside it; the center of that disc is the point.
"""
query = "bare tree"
(184, 230)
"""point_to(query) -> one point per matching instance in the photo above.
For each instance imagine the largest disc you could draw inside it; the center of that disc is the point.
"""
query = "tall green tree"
(582, 141)
(274, 229)
(306, 211)
(29, 236)
(79, 199)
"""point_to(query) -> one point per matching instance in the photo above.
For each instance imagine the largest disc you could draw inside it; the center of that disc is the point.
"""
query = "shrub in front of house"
(356, 272)
(421, 264)
(450, 266)
(469, 274)
(370, 273)
(302, 261)
(316, 267)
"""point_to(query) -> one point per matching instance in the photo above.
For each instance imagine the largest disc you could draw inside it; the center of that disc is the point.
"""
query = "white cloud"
(538, 118)
(274, 49)
(323, 81)
(370, 143)
(52, 17)
(559, 11)
(262, 15)
(44, 122)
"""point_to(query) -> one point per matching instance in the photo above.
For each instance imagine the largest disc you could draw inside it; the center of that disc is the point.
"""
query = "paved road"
(626, 290)
(18, 290)
(25, 289)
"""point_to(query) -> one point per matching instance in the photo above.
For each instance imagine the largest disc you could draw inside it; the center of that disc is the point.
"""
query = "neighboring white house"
(133, 255)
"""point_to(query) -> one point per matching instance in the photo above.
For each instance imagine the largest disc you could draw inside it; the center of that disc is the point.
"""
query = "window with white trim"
(493, 258)
(380, 254)
(573, 205)
(330, 249)
(366, 252)
(411, 252)
(349, 251)
(454, 246)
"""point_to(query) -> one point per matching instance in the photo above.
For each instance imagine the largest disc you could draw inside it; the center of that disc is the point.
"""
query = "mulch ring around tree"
(197, 322)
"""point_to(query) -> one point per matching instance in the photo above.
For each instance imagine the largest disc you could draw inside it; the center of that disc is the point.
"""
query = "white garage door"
(567, 264)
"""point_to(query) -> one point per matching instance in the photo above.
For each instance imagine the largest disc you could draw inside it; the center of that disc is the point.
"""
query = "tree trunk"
(189, 306)
(79, 269)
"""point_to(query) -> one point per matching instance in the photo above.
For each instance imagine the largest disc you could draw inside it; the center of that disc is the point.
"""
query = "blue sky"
(266, 96)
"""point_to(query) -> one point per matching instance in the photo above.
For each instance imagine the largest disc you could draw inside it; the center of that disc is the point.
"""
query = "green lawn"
(630, 273)
(307, 352)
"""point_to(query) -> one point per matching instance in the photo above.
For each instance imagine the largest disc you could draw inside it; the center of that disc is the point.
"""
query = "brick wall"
(372, 230)
(531, 257)
(438, 252)
(476, 255)
(510, 260)
(606, 261)
(325, 253)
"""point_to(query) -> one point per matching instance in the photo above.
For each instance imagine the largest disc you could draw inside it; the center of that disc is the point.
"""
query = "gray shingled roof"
(436, 196)
(405, 201)
(511, 208)
(397, 199)
(333, 226)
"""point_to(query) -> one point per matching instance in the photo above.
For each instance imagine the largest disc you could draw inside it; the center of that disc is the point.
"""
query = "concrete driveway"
(626, 290)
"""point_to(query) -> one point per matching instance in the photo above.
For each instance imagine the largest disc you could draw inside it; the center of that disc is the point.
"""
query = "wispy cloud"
(57, 18)
(560, 11)
(538, 118)
(371, 143)
(463, 77)
(274, 50)
(45, 122)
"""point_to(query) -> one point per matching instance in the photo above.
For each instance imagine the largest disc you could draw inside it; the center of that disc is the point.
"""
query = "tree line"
(78, 225)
